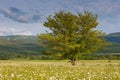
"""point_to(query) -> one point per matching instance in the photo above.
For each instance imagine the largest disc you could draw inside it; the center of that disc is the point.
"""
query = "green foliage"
(72, 34)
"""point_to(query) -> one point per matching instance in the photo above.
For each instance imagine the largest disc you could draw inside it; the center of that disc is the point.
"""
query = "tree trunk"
(73, 62)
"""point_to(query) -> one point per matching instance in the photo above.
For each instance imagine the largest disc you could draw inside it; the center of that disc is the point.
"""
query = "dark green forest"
(28, 47)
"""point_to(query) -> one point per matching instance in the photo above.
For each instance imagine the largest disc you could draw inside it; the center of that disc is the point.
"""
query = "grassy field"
(60, 70)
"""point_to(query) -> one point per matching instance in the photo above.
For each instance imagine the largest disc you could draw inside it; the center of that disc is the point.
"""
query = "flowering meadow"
(60, 70)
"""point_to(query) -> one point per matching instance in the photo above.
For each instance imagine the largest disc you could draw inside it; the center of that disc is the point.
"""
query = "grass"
(60, 70)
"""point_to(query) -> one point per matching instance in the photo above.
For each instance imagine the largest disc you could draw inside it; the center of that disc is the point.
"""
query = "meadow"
(60, 70)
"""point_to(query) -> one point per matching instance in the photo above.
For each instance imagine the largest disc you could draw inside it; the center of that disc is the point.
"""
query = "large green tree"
(72, 35)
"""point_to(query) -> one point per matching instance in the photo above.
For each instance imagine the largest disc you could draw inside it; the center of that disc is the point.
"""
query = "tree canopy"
(72, 34)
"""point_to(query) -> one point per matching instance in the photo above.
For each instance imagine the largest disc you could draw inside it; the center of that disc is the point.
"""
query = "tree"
(72, 35)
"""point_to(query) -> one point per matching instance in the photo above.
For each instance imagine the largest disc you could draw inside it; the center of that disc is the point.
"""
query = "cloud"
(100, 7)
(19, 15)
(12, 31)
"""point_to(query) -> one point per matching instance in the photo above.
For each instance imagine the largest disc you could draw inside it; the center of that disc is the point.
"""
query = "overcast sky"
(26, 17)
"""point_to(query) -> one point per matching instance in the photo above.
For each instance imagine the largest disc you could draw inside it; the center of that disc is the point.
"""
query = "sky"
(26, 17)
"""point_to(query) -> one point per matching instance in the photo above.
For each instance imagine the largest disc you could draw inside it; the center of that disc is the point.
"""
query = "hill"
(113, 37)
(19, 46)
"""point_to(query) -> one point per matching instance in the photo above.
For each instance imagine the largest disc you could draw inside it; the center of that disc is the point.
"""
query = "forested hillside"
(114, 38)
(18, 46)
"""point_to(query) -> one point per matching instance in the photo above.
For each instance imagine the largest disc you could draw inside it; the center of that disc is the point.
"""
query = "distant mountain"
(20, 46)
(18, 40)
(18, 37)
(113, 37)
(117, 34)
